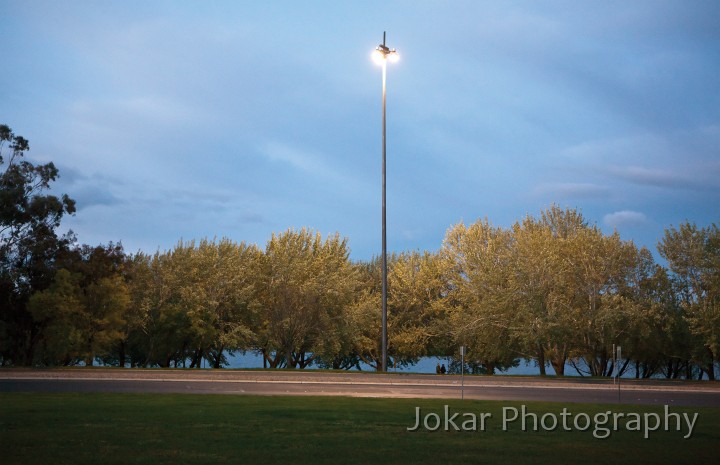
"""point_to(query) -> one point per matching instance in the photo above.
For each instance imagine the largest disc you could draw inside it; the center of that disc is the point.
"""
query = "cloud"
(682, 159)
(625, 218)
(93, 195)
(252, 218)
(299, 159)
(87, 190)
(246, 119)
(570, 190)
(315, 164)
(653, 176)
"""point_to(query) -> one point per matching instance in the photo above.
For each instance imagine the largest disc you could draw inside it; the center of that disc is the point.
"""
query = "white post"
(462, 372)
(614, 359)
(619, 356)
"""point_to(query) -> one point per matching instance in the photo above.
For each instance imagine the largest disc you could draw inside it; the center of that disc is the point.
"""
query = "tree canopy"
(553, 289)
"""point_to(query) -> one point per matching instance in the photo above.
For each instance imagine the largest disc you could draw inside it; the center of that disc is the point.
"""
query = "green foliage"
(29, 246)
(195, 301)
(81, 314)
(482, 315)
(417, 305)
(305, 284)
(78, 322)
(553, 288)
(693, 255)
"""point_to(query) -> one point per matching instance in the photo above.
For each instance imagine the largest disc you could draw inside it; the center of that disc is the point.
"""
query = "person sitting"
(443, 370)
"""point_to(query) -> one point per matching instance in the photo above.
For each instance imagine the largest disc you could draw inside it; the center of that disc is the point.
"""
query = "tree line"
(552, 288)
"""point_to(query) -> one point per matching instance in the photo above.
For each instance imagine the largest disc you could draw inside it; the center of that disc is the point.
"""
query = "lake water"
(425, 365)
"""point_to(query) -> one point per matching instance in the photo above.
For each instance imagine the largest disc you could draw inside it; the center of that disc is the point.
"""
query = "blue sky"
(183, 120)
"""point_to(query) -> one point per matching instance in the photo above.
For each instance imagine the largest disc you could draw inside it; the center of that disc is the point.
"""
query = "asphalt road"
(568, 390)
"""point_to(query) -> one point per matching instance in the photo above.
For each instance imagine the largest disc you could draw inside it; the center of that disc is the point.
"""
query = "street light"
(381, 55)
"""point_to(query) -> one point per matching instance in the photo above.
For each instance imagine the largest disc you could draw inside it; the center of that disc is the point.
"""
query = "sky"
(182, 120)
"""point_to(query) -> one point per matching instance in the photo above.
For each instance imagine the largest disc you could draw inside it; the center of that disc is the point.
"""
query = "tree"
(364, 316)
(81, 315)
(419, 292)
(540, 292)
(78, 323)
(693, 255)
(29, 245)
(417, 289)
(658, 338)
(196, 301)
(481, 316)
(217, 293)
(305, 285)
(601, 277)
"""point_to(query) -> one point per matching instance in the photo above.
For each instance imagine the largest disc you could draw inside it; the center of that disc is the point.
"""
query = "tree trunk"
(541, 360)
(268, 360)
(490, 367)
(121, 354)
(711, 370)
(557, 360)
(558, 364)
(621, 369)
(289, 358)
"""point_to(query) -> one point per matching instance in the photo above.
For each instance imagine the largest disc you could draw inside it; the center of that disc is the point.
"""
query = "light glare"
(378, 57)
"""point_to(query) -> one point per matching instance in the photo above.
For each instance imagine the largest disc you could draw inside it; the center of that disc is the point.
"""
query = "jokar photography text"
(601, 424)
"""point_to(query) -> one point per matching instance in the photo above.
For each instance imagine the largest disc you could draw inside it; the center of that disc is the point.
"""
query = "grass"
(202, 429)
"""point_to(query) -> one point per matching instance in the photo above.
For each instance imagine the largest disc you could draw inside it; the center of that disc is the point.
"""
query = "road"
(314, 383)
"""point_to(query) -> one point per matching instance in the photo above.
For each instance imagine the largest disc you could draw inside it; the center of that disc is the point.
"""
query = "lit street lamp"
(381, 55)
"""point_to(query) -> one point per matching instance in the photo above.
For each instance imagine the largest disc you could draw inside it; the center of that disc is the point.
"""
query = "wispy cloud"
(653, 176)
(299, 159)
(625, 218)
(570, 190)
(309, 162)
(682, 159)
(87, 190)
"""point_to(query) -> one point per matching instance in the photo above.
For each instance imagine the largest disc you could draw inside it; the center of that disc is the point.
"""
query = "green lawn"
(201, 429)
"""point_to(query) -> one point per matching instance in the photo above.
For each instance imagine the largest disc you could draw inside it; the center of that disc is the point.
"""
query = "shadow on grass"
(201, 429)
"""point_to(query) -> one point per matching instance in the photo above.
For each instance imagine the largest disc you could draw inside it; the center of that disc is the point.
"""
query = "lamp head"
(383, 53)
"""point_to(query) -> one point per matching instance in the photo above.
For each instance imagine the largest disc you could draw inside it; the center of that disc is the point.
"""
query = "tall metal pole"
(384, 231)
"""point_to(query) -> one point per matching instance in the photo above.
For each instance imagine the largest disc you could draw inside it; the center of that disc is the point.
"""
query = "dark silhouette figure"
(443, 370)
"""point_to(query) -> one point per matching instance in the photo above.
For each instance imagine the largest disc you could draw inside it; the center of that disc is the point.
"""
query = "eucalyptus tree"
(29, 244)
(305, 284)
